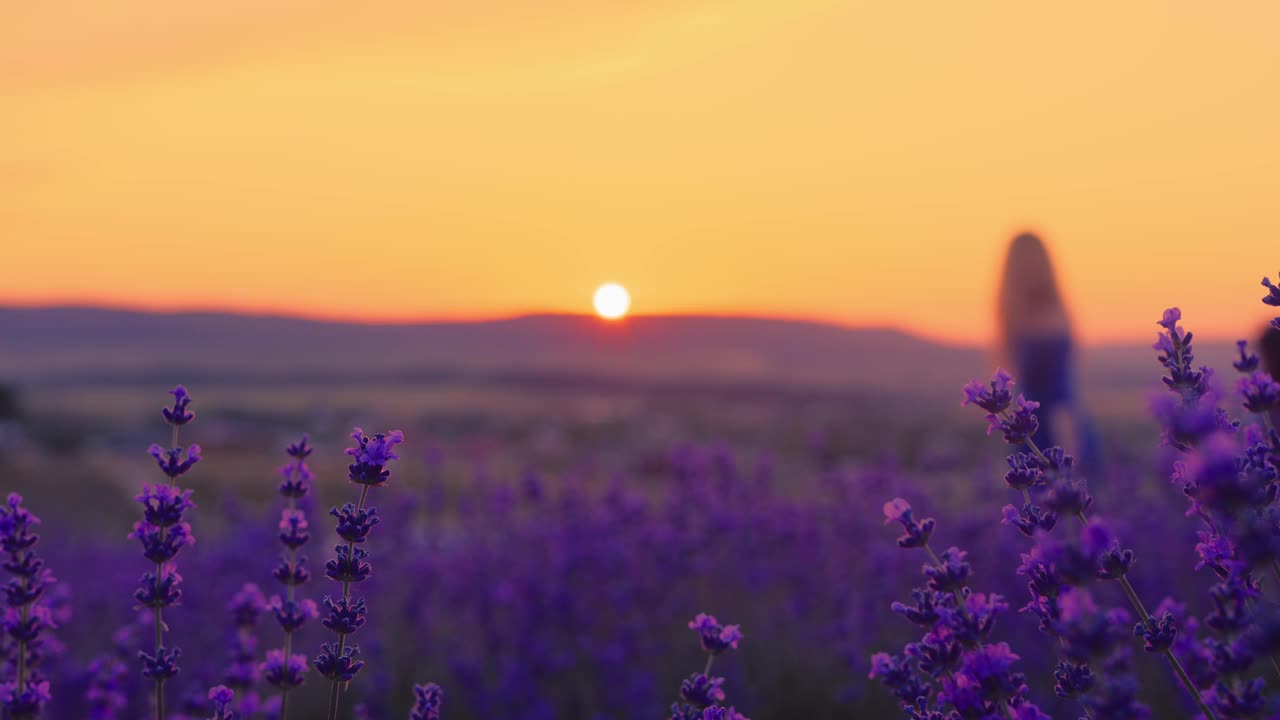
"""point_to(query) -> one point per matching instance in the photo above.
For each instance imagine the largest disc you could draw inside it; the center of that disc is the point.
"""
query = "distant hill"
(92, 345)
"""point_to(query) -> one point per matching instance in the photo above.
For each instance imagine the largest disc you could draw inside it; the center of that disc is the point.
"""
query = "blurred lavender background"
(569, 496)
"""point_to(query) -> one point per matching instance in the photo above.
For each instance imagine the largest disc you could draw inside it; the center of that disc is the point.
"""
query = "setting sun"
(612, 301)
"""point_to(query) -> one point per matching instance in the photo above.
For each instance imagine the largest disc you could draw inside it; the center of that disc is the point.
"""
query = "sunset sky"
(859, 162)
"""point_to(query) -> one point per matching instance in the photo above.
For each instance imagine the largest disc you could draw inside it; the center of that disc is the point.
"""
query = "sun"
(612, 301)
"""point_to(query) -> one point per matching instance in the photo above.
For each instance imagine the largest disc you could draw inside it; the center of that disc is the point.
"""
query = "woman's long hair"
(1029, 303)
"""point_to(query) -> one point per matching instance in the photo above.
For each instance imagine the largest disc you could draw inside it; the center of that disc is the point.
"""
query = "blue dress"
(1044, 374)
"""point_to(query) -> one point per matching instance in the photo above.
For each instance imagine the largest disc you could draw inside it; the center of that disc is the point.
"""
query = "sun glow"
(612, 301)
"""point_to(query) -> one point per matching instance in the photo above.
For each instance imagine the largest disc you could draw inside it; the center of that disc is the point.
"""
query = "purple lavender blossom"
(714, 637)
(1183, 424)
(372, 454)
(222, 696)
(282, 668)
(163, 534)
(1090, 634)
(338, 663)
(994, 397)
(1071, 680)
(163, 505)
(346, 615)
(953, 671)
(26, 619)
(1215, 481)
(1260, 392)
(243, 671)
(1247, 362)
(24, 700)
(284, 673)
(700, 691)
(171, 460)
(949, 571)
(354, 524)
(1030, 519)
(1272, 297)
(1021, 424)
(1056, 566)
(1111, 561)
(427, 702)
(105, 698)
(917, 533)
(899, 674)
(1176, 355)
(178, 415)
(1025, 472)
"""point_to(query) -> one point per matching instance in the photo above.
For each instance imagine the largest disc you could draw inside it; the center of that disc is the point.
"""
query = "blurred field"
(543, 545)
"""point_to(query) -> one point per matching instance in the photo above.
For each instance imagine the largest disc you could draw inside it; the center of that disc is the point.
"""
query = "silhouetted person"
(1269, 354)
(1035, 345)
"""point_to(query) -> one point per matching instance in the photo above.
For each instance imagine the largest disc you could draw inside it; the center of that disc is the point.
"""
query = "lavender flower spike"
(700, 692)
(25, 694)
(336, 661)
(953, 667)
(243, 672)
(163, 534)
(1054, 564)
(283, 668)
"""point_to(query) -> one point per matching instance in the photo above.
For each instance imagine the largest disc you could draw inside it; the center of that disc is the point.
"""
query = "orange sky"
(862, 162)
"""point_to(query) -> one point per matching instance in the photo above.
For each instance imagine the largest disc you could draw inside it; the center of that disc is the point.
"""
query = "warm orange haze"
(636, 359)
(864, 163)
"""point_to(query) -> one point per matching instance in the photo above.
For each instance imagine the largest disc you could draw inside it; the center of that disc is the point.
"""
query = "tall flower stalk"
(701, 693)
(25, 617)
(1231, 486)
(284, 669)
(337, 661)
(954, 671)
(243, 671)
(1050, 472)
(163, 533)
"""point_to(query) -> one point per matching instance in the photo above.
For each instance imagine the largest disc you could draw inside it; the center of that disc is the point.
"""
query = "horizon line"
(267, 312)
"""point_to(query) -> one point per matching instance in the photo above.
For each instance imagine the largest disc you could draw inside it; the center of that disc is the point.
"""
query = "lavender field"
(540, 552)
(617, 360)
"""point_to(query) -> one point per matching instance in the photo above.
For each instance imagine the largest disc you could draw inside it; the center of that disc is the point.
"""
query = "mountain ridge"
(75, 343)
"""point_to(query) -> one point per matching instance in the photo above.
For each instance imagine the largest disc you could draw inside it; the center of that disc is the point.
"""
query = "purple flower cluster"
(954, 670)
(1189, 412)
(283, 668)
(337, 661)
(1272, 298)
(243, 673)
(427, 702)
(222, 698)
(1016, 425)
(26, 619)
(105, 698)
(1061, 568)
(702, 694)
(524, 588)
(1229, 476)
(163, 533)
